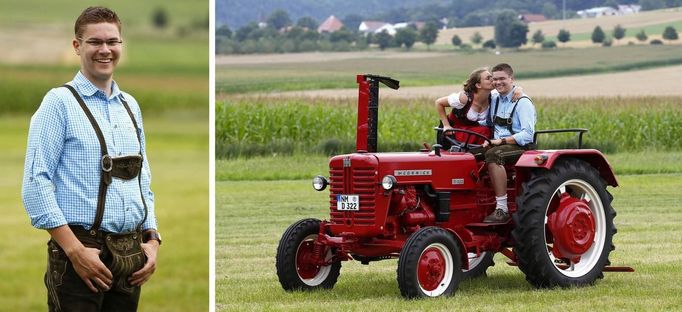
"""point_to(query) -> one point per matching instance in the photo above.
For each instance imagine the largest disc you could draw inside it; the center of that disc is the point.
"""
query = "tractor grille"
(353, 181)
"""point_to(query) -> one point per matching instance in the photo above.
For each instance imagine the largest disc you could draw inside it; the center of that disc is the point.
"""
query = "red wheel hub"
(431, 269)
(572, 226)
(305, 260)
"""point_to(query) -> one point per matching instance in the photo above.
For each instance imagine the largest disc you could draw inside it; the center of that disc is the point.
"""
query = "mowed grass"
(177, 146)
(252, 215)
(435, 68)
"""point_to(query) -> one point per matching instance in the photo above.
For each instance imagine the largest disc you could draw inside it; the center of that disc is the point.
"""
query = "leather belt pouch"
(127, 258)
(126, 167)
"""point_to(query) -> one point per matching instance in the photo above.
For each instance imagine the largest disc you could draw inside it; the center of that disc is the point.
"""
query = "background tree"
(160, 18)
(428, 34)
(406, 36)
(611, 3)
(538, 37)
(476, 38)
(223, 31)
(279, 19)
(670, 33)
(564, 36)
(618, 32)
(352, 22)
(456, 41)
(383, 39)
(648, 5)
(641, 36)
(510, 32)
(489, 44)
(307, 22)
(598, 35)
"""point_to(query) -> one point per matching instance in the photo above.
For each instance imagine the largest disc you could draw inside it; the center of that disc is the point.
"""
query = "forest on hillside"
(459, 13)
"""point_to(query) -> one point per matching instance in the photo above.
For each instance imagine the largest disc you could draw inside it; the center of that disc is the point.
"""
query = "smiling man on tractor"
(427, 210)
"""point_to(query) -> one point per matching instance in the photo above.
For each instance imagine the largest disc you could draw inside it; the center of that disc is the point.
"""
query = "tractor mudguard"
(546, 159)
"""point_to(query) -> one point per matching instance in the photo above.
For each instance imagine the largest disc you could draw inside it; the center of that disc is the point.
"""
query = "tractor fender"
(462, 249)
(594, 157)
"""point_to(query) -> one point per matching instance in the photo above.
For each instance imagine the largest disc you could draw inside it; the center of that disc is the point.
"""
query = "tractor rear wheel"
(429, 264)
(478, 265)
(295, 261)
(564, 225)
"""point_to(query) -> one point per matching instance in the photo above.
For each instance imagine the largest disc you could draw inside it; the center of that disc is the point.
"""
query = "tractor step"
(485, 225)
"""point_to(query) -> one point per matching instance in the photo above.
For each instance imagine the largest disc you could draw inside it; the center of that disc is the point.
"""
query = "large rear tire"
(429, 264)
(295, 268)
(564, 225)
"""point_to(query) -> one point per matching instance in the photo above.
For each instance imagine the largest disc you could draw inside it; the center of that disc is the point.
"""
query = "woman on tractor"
(470, 106)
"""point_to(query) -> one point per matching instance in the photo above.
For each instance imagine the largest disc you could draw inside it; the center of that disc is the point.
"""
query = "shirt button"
(115, 126)
(119, 153)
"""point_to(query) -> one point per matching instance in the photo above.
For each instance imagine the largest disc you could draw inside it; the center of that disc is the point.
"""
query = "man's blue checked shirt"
(62, 167)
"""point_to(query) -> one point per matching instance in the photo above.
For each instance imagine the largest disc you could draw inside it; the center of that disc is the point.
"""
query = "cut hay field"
(252, 215)
(316, 71)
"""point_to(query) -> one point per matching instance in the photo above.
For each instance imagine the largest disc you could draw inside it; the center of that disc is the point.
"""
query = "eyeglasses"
(97, 43)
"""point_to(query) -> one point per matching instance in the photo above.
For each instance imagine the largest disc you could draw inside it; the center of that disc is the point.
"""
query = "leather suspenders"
(107, 162)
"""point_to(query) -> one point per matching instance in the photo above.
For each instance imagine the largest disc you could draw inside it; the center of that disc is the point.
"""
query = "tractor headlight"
(388, 182)
(320, 183)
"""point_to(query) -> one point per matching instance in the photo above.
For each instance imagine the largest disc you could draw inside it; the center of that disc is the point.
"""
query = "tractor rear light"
(540, 159)
(320, 183)
(388, 182)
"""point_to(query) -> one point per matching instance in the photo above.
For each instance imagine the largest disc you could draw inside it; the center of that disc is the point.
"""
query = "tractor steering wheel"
(463, 146)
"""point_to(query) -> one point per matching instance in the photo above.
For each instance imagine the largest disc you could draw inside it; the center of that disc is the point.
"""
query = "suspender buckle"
(107, 163)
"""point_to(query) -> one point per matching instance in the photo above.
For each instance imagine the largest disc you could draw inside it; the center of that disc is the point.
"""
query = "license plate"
(348, 202)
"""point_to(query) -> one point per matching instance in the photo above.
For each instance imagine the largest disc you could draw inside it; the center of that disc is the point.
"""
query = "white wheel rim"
(589, 259)
(323, 271)
(447, 278)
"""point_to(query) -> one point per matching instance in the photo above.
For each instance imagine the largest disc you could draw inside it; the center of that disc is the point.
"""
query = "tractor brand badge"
(346, 161)
(457, 181)
(418, 172)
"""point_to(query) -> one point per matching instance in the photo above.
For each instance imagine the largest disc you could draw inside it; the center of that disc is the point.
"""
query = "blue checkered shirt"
(62, 167)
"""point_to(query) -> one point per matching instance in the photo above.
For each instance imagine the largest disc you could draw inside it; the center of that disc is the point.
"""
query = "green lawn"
(252, 215)
(181, 281)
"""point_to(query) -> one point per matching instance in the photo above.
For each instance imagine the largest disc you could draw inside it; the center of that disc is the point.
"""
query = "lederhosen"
(121, 252)
(505, 153)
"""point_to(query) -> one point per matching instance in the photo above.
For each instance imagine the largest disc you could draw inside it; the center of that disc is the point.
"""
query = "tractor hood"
(448, 171)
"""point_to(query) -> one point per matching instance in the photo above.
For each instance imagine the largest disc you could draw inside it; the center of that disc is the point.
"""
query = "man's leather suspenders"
(107, 163)
(505, 122)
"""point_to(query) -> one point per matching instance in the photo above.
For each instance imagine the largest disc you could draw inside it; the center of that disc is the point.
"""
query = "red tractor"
(427, 208)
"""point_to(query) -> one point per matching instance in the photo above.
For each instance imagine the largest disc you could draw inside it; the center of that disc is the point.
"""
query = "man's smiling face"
(99, 49)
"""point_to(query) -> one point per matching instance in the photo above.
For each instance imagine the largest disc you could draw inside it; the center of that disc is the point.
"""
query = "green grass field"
(181, 280)
(442, 69)
(252, 215)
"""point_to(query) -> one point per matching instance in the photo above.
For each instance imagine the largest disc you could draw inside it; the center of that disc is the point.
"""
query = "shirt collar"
(507, 97)
(86, 88)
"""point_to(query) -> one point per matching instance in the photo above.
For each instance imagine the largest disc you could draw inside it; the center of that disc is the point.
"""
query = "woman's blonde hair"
(474, 78)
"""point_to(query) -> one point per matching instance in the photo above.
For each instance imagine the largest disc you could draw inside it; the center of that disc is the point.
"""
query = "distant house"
(625, 9)
(532, 18)
(368, 27)
(389, 28)
(330, 25)
(597, 12)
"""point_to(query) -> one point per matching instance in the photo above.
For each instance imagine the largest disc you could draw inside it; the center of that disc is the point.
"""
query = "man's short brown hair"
(95, 15)
(504, 67)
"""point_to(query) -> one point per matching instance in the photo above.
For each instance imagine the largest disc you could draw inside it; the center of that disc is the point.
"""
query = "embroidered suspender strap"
(139, 174)
(507, 122)
(106, 162)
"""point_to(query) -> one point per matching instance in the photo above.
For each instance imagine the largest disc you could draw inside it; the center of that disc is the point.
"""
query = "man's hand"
(145, 273)
(90, 268)
(492, 142)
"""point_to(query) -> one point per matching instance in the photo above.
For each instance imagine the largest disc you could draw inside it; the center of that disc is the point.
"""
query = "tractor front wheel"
(429, 264)
(297, 265)
(564, 225)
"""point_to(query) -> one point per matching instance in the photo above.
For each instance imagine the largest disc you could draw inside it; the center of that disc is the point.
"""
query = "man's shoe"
(498, 216)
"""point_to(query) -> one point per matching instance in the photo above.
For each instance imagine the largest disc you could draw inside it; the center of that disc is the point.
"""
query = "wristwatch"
(503, 141)
(151, 234)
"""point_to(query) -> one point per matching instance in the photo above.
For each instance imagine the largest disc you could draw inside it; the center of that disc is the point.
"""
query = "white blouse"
(453, 100)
